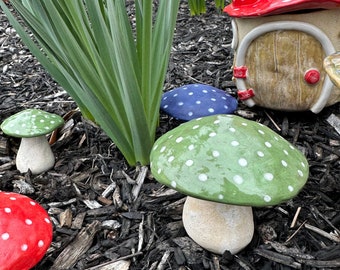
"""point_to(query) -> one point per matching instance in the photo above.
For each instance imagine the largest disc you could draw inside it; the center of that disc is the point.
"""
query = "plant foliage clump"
(113, 71)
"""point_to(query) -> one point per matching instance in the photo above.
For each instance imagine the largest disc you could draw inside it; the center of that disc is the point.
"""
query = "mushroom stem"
(218, 227)
(34, 154)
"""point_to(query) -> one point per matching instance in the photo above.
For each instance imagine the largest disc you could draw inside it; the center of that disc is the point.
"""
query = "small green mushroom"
(226, 164)
(32, 125)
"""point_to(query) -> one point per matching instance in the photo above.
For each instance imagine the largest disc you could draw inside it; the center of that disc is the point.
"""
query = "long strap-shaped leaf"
(115, 76)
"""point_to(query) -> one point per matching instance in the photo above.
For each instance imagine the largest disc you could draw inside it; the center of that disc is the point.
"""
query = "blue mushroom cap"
(197, 100)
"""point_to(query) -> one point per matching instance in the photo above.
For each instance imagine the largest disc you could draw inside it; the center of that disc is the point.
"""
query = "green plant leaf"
(114, 73)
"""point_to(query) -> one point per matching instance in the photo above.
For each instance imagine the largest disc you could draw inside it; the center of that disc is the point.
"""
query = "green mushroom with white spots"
(31, 126)
(226, 165)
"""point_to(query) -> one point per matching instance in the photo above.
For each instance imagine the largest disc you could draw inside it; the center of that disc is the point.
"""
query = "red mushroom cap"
(252, 8)
(25, 231)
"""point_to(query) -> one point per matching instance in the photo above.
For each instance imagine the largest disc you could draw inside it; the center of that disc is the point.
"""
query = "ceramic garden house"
(280, 47)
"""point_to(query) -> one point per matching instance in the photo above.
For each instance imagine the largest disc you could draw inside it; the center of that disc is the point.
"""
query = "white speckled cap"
(228, 159)
(31, 123)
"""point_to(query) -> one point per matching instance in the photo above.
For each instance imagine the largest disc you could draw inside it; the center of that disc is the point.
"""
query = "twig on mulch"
(83, 241)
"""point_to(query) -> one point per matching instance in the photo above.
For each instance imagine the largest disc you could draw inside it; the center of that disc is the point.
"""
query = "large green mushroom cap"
(31, 123)
(228, 159)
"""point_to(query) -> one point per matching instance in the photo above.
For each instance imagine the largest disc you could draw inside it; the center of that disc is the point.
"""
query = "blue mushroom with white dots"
(226, 165)
(197, 100)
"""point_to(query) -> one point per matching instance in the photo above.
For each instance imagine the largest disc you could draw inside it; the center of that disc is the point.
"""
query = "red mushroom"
(25, 231)
(251, 8)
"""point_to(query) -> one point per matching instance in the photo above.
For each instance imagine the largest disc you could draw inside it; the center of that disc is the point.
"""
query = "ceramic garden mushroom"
(25, 231)
(32, 125)
(197, 100)
(226, 165)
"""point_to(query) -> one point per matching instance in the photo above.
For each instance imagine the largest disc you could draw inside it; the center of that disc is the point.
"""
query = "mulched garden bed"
(104, 211)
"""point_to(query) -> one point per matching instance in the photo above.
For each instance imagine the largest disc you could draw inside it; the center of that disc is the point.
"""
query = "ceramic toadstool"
(197, 100)
(25, 231)
(32, 125)
(226, 164)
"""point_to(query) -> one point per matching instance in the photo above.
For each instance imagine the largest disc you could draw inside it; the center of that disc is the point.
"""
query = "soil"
(99, 213)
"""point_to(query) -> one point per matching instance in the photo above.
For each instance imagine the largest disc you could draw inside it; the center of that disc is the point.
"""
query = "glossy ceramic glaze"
(228, 159)
(197, 100)
(31, 123)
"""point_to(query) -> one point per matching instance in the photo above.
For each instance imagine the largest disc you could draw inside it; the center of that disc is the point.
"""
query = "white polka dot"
(211, 110)
(212, 134)
(261, 132)
(179, 139)
(12, 198)
(286, 152)
(162, 149)
(215, 153)
(238, 179)
(267, 198)
(191, 147)
(217, 122)
(292, 147)
(268, 144)
(7, 210)
(276, 138)
(202, 177)
(171, 158)
(175, 95)
(159, 170)
(195, 126)
(42, 121)
(190, 113)
(260, 153)
(32, 203)
(47, 220)
(28, 222)
(180, 103)
(204, 91)
(41, 243)
(189, 162)
(303, 164)
(300, 173)
(173, 184)
(198, 102)
(190, 93)
(213, 99)
(5, 236)
(220, 197)
(284, 163)
(242, 162)
(290, 188)
(24, 247)
(235, 143)
(268, 176)
(232, 129)
(244, 124)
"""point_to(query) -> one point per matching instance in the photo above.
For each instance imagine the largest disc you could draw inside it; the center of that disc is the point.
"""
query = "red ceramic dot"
(312, 76)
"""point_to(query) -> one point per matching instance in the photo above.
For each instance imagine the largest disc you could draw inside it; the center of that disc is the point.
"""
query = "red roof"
(253, 8)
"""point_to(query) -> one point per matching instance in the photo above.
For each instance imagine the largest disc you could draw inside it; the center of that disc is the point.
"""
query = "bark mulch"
(107, 215)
